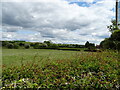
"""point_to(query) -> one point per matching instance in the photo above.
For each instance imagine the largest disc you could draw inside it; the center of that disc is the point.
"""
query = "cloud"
(58, 21)
(88, 1)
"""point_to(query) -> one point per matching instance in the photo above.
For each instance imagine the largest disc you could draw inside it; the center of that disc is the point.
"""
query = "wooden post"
(116, 12)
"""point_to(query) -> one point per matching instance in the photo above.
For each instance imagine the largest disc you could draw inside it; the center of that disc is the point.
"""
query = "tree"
(113, 41)
(87, 44)
(91, 46)
(5, 43)
(21, 44)
(10, 46)
(27, 46)
(118, 46)
(53, 46)
(113, 26)
(32, 44)
(109, 45)
(115, 36)
(44, 45)
(16, 46)
(48, 42)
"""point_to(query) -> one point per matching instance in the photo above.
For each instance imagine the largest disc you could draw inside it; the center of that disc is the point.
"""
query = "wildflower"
(23, 80)
(66, 83)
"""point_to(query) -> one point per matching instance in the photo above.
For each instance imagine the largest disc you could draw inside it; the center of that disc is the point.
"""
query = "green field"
(15, 56)
(43, 68)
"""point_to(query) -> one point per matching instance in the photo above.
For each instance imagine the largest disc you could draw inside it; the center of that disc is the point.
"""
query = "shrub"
(16, 46)
(32, 44)
(118, 46)
(10, 46)
(40, 45)
(0, 43)
(109, 45)
(53, 46)
(5, 43)
(36, 46)
(21, 44)
(115, 35)
(44, 45)
(48, 42)
(27, 46)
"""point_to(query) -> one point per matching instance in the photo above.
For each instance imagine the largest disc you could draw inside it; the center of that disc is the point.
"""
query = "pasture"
(43, 68)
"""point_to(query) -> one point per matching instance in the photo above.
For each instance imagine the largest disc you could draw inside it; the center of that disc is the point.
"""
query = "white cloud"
(58, 20)
(88, 1)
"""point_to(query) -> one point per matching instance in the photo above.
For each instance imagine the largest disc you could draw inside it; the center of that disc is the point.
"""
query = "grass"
(39, 68)
(15, 56)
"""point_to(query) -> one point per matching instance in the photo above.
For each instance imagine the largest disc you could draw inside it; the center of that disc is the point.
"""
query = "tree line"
(37, 45)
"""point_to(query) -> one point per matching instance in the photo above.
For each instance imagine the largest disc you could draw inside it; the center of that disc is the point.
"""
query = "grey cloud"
(59, 21)
(16, 14)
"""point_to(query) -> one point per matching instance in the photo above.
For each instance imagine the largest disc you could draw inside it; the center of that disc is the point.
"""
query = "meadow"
(43, 68)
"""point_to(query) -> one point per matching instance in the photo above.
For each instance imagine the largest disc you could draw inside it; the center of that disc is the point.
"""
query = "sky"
(61, 21)
(119, 12)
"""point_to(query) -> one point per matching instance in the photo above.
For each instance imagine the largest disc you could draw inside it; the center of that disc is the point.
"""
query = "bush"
(32, 44)
(21, 44)
(0, 43)
(40, 46)
(109, 45)
(54, 46)
(16, 46)
(112, 42)
(37, 46)
(44, 45)
(5, 43)
(48, 42)
(118, 46)
(10, 46)
(27, 46)
(115, 35)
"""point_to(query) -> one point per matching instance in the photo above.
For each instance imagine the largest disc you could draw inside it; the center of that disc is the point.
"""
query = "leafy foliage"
(112, 42)
(115, 35)
(113, 26)
(39, 45)
(83, 71)
(27, 46)
(10, 45)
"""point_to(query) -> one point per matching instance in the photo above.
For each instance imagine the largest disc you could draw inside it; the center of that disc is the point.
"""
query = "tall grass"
(99, 70)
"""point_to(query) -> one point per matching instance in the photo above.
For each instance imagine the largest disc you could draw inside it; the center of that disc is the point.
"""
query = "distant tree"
(87, 44)
(5, 43)
(44, 45)
(16, 46)
(48, 42)
(91, 46)
(32, 44)
(37, 45)
(53, 46)
(21, 44)
(10, 46)
(27, 46)
(0, 43)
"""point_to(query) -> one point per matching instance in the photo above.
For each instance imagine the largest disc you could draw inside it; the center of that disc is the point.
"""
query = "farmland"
(44, 68)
